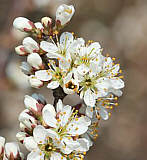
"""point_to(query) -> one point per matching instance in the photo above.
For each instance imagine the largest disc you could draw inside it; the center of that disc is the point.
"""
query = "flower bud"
(21, 136)
(30, 103)
(12, 151)
(26, 68)
(20, 50)
(46, 21)
(22, 127)
(30, 45)
(34, 60)
(64, 13)
(40, 98)
(34, 82)
(29, 121)
(39, 25)
(23, 24)
(2, 143)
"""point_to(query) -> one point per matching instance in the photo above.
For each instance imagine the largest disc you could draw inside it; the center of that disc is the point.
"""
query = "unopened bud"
(46, 21)
(20, 50)
(23, 24)
(64, 13)
(34, 82)
(35, 60)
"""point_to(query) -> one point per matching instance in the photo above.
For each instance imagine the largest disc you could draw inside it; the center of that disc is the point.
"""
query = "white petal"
(43, 75)
(57, 156)
(89, 112)
(94, 48)
(36, 155)
(115, 69)
(49, 117)
(48, 47)
(59, 106)
(78, 126)
(65, 114)
(40, 134)
(84, 145)
(117, 83)
(66, 39)
(51, 133)
(30, 143)
(82, 69)
(108, 63)
(116, 92)
(49, 108)
(68, 77)
(103, 113)
(89, 98)
(64, 64)
(53, 85)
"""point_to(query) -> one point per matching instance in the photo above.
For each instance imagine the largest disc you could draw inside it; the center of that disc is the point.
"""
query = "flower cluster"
(67, 65)
(9, 151)
(53, 133)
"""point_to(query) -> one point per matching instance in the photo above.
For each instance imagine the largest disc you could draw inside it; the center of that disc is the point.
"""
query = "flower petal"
(40, 134)
(43, 75)
(36, 155)
(89, 98)
(49, 117)
(89, 111)
(30, 143)
(48, 47)
(57, 156)
(53, 85)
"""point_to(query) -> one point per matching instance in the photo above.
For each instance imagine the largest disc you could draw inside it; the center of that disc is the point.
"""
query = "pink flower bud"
(23, 24)
(20, 50)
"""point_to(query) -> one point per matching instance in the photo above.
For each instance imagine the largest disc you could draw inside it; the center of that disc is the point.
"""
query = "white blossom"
(57, 141)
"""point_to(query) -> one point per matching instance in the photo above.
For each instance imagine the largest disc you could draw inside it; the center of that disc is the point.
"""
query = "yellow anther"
(113, 58)
(68, 11)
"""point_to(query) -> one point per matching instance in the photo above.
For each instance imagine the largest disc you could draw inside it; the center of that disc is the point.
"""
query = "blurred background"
(121, 28)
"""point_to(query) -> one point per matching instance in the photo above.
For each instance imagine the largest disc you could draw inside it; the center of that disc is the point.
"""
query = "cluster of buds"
(53, 133)
(45, 28)
(67, 65)
(10, 151)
